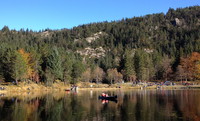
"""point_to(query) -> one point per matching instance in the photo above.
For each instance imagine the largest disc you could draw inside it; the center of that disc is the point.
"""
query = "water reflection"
(132, 105)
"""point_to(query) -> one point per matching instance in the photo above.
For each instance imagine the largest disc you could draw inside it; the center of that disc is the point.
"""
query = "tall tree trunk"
(16, 81)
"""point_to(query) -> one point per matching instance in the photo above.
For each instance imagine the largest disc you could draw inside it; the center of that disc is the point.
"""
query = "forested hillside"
(152, 47)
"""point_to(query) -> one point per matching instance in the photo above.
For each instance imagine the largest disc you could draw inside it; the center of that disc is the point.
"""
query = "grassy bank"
(32, 87)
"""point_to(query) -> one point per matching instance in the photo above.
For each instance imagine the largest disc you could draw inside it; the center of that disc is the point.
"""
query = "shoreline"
(32, 91)
(33, 88)
(56, 93)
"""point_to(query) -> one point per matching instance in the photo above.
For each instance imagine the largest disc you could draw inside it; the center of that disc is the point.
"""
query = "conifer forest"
(147, 48)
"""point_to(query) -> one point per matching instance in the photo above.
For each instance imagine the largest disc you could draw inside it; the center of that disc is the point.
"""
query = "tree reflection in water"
(132, 105)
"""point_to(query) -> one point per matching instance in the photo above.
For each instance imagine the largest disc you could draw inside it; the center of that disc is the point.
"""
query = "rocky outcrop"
(148, 50)
(92, 52)
(179, 22)
(92, 38)
(45, 34)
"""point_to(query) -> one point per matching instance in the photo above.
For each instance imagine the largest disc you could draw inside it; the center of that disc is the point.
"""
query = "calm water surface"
(132, 105)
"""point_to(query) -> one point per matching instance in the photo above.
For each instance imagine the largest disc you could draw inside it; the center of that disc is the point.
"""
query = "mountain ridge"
(140, 48)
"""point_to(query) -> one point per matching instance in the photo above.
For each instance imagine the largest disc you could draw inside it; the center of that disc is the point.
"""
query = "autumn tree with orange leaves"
(26, 57)
(196, 61)
(190, 66)
(30, 65)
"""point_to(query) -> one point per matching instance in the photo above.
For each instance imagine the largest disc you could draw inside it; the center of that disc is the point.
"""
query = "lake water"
(132, 105)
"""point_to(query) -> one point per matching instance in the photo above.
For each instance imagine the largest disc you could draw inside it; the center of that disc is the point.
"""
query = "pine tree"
(7, 62)
(129, 69)
(19, 67)
(67, 63)
(139, 59)
(54, 64)
(78, 69)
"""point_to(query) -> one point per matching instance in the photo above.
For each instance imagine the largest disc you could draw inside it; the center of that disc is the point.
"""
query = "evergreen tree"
(19, 67)
(139, 59)
(78, 69)
(7, 62)
(54, 64)
(68, 60)
(129, 68)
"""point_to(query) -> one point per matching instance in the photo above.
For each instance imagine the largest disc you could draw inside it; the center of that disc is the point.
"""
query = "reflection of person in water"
(104, 101)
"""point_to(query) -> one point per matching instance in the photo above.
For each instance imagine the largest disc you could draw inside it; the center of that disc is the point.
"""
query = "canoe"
(108, 98)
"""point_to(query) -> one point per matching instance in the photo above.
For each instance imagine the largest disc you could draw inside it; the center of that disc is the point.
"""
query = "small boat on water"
(108, 98)
(105, 97)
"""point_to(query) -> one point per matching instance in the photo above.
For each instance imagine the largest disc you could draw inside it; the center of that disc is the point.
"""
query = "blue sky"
(58, 14)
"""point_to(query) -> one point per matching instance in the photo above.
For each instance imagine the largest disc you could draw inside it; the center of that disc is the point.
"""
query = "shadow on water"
(131, 105)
